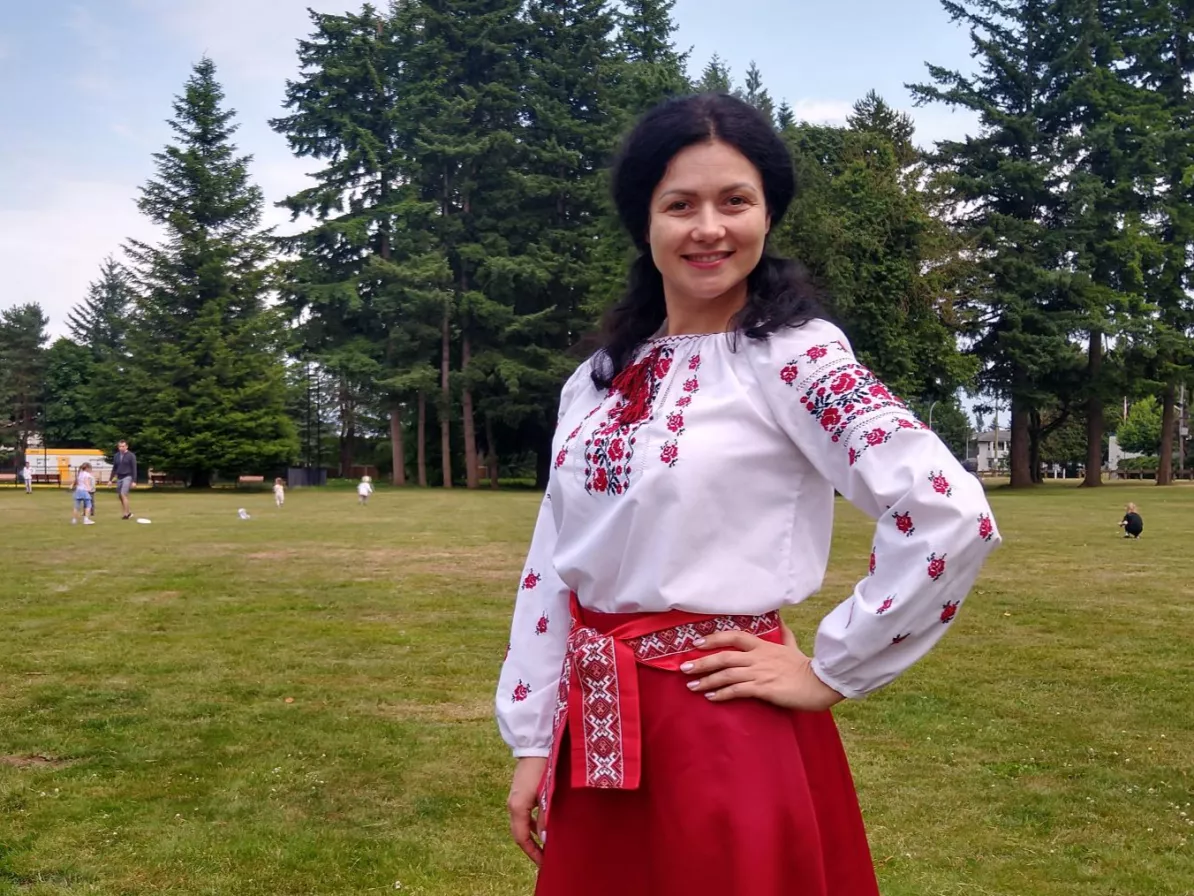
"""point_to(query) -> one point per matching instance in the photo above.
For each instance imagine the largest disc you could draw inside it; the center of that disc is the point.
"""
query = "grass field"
(301, 703)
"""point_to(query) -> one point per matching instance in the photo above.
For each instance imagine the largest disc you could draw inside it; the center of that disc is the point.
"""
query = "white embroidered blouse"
(708, 486)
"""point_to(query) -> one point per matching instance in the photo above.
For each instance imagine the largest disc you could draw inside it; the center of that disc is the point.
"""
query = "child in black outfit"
(1132, 524)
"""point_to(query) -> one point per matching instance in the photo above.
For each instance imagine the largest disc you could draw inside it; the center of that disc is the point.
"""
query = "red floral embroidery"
(885, 606)
(940, 484)
(694, 363)
(872, 564)
(600, 480)
(986, 529)
(691, 385)
(846, 396)
(904, 522)
(531, 580)
(900, 638)
(541, 625)
(683, 401)
(949, 610)
(675, 422)
(936, 566)
(610, 449)
(521, 691)
(670, 453)
(561, 457)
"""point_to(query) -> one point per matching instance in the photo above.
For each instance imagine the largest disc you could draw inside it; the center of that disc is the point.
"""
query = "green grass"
(301, 703)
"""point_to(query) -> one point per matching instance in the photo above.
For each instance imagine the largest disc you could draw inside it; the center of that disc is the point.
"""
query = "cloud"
(820, 111)
(53, 248)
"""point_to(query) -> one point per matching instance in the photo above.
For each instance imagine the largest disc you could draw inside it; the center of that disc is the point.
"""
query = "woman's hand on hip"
(524, 797)
(741, 665)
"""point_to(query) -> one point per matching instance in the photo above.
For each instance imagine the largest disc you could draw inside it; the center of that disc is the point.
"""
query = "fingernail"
(692, 685)
(686, 667)
(711, 695)
(698, 641)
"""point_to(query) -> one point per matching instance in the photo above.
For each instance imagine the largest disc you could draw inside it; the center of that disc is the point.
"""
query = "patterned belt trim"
(598, 690)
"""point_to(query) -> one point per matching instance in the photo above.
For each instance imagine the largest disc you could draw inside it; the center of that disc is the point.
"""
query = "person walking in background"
(670, 736)
(27, 475)
(364, 490)
(83, 489)
(124, 474)
(279, 492)
(1132, 523)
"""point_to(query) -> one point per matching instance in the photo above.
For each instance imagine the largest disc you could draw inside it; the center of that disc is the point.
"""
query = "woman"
(672, 735)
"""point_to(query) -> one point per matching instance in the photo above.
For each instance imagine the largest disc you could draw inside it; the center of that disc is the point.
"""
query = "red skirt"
(735, 799)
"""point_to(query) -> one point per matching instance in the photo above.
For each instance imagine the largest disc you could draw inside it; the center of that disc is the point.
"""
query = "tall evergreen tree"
(22, 368)
(1159, 44)
(1109, 158)
(785, 118)
(367, 280)
(207, 381)
(68, 395)
(1003, 186)
(464, 64)
(872, 115)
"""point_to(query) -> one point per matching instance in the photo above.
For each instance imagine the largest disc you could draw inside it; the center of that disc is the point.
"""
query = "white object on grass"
(143, 521)
(243, 514)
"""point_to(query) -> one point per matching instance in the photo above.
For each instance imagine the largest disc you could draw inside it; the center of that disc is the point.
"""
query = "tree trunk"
(1168, 433)
(397, 445)
(491, 458)
(1020, 459)
(466, 410)
(1034, 446)
(445, 416)
(200, 479)
(1094, 414)
(421, 446)
(347, 430)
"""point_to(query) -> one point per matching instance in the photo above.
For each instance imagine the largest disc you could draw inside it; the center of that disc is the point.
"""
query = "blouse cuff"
(841, 687)
(529, 752)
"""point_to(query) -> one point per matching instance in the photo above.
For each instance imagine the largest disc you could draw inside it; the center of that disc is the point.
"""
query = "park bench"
(9, 477)
(249, 480)
(165, 479)
(47, 479)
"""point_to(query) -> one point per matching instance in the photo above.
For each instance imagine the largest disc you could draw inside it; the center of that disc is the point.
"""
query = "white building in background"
(993, 446)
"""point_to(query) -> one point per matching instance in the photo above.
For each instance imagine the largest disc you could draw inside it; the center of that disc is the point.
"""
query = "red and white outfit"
(697, 494)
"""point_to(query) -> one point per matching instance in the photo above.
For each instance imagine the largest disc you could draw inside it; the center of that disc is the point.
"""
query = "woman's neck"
(686, 317)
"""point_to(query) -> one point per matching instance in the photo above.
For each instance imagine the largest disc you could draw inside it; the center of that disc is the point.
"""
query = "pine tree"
(715, 77)
(1159, 44)
(1109, 157)
(101, 321)
(1002, 186)
(785, 118)
(872, 115)
(207, 381)
(68, 395)
(462, 97)
(654, 69)
(756, 94)
(367, 280)
(22, 367)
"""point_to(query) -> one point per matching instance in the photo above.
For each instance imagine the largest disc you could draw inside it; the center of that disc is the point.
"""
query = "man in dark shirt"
(124, 474)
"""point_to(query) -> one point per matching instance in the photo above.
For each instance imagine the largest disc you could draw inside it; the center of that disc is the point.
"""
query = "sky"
(86, 88)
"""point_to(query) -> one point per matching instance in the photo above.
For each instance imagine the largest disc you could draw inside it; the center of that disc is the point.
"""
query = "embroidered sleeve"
(933, 525)
(530, 676)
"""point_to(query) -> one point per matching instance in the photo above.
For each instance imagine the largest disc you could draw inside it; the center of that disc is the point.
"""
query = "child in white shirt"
(83, 487)
(364, 490)
(279, 492)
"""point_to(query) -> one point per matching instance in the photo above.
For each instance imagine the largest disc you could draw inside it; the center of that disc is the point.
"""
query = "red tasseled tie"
(634, 385)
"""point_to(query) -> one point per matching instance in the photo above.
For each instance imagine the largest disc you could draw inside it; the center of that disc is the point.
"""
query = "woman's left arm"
(934, 527)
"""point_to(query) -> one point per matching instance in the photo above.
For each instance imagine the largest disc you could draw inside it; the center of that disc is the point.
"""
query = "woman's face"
(708, 226)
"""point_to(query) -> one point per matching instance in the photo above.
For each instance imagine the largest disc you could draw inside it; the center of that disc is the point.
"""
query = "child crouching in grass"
(1132, 523)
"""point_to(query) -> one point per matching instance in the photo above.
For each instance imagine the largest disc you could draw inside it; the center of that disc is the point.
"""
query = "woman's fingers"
(720, 679)
(521, 824)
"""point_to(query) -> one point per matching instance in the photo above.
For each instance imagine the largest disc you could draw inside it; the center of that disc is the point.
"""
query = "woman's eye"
(737, 200)
(678, 206)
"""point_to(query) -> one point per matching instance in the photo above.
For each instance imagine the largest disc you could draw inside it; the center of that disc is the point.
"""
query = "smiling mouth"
(707, 258)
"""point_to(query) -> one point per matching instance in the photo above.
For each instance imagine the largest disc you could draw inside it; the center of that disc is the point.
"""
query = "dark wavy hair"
(780, 292)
